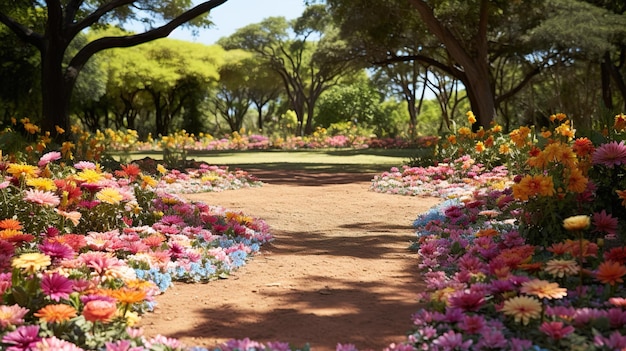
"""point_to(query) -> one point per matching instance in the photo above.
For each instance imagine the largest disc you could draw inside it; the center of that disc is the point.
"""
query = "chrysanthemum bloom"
(522, 308)
(44, 198)
(604, 223)
(128, 295)
(576, 181)
(610, 272)
(576, 223)
(10, 223)
(556, 330)
(622, 196)
(20, 170)
(56, 313)
(89, 176)
(610, 154)
(520, 136)
(620, 122)
(110, 195)
(561, 268)
(22, 338)
(31, 262)
(56, 286)
(583, 147)
(12, 315)
(99, 310)
(479, 147)
(55, 344)
(48, 157)
(470, 117)
(73, 216)
(543, 289)
(44, 184)
(530, 186)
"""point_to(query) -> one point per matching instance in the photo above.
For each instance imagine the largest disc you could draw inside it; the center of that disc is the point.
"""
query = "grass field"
(335, 160)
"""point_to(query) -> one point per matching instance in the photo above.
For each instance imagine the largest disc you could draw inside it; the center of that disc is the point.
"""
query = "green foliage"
(358, 103)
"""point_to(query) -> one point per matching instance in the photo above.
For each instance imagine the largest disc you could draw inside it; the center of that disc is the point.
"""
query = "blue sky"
(234, 14)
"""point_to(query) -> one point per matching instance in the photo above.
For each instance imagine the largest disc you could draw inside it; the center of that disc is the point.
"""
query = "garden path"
(338, 271)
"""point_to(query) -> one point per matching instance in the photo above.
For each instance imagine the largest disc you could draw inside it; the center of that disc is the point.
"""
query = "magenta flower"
(467, 300)
(346, 347)
(472, 324)
(22, 338)
(56, 286)
(610, 154)
(56, 250)
(556, 330)
(604, 223)
(49, 157)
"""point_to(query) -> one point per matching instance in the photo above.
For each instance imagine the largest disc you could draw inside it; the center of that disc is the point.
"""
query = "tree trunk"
(56, 88)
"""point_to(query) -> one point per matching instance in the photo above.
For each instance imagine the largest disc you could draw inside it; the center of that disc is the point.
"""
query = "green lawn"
(335, 160)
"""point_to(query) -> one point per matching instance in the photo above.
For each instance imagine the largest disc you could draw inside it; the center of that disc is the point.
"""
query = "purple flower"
(56, 286)
(610, 154)
(452, 341)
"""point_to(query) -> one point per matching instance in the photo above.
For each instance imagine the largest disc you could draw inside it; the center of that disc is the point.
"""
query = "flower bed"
(83, 252)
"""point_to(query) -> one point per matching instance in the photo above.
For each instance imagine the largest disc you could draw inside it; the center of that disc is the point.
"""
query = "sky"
(234, 14)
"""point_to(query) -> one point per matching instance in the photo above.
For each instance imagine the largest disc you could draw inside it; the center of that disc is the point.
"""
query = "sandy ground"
(338, 271)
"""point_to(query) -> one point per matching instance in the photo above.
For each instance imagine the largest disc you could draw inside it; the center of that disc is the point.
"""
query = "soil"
(338, 271)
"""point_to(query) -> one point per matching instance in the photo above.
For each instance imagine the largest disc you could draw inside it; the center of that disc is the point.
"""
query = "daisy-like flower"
(522, 308)
(72, 216)
(44, 198)
(83, 165)
(44, 184)
(49, 157)
(610, 154)
(128, 295)
(56, 313)
(31, 262)
(610, 272)
(10, 223)
(556, 330)
(12, 315)
(89, 176)
(543, 289)
(530, 186)
(575, 223)
(604, 222)
(55, 344)
(622, 196)
(576, 181)
(22, 338)
(20, 170)
(56, 286)
(561, 268)
(452, 341)
(110, 195)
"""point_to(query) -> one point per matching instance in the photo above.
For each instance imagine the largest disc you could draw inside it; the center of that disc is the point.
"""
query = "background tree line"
(390, 67)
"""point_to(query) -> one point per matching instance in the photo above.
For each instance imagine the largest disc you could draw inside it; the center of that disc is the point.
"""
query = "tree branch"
(131, 40)
(24, 33)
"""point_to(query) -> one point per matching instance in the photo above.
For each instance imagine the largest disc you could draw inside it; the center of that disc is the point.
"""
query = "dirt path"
(338, 271)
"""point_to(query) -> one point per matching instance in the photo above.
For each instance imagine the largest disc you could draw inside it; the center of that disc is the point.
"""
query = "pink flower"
(12, 315)
(452, 341)
(56, 286)
(604, 223)
(23, 338)
(99, 310)
(556, 330)
(57, 250)
(44, 198)
(49, 157)
(472, 324)
(467, 300)
(82, 165)
(610, 154)
(55, 344)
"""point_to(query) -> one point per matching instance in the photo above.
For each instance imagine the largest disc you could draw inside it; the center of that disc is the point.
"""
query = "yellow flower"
(504, 149)
(161, 169)
(89, 176)
(543, 289)
(520, 136)
(522, 308)
(470, 117)
(45, 184)
(109, 195)
(576, 181)
(480, 147)
(575, 223)
(533, 185)
(31, 262)
(561, 268)
(620, 122)
(31, 128)
(465, 131)
(59, 130)
(21, 170)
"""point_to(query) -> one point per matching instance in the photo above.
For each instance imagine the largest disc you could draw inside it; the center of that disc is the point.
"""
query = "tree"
(460, 37)
(306, 67)
(232, 99)
(65, 20)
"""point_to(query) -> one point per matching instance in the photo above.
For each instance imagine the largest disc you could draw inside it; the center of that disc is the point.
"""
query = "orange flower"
(99, 310)
(622, 195)
(128, 295)
(533, 185)
(610, 272)
(480, 146)
(56, 313)
(520, 136)
(487, 232)
(561, 268)
(10, 223)
(576, 181)
(543, 289)
(620, 122)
